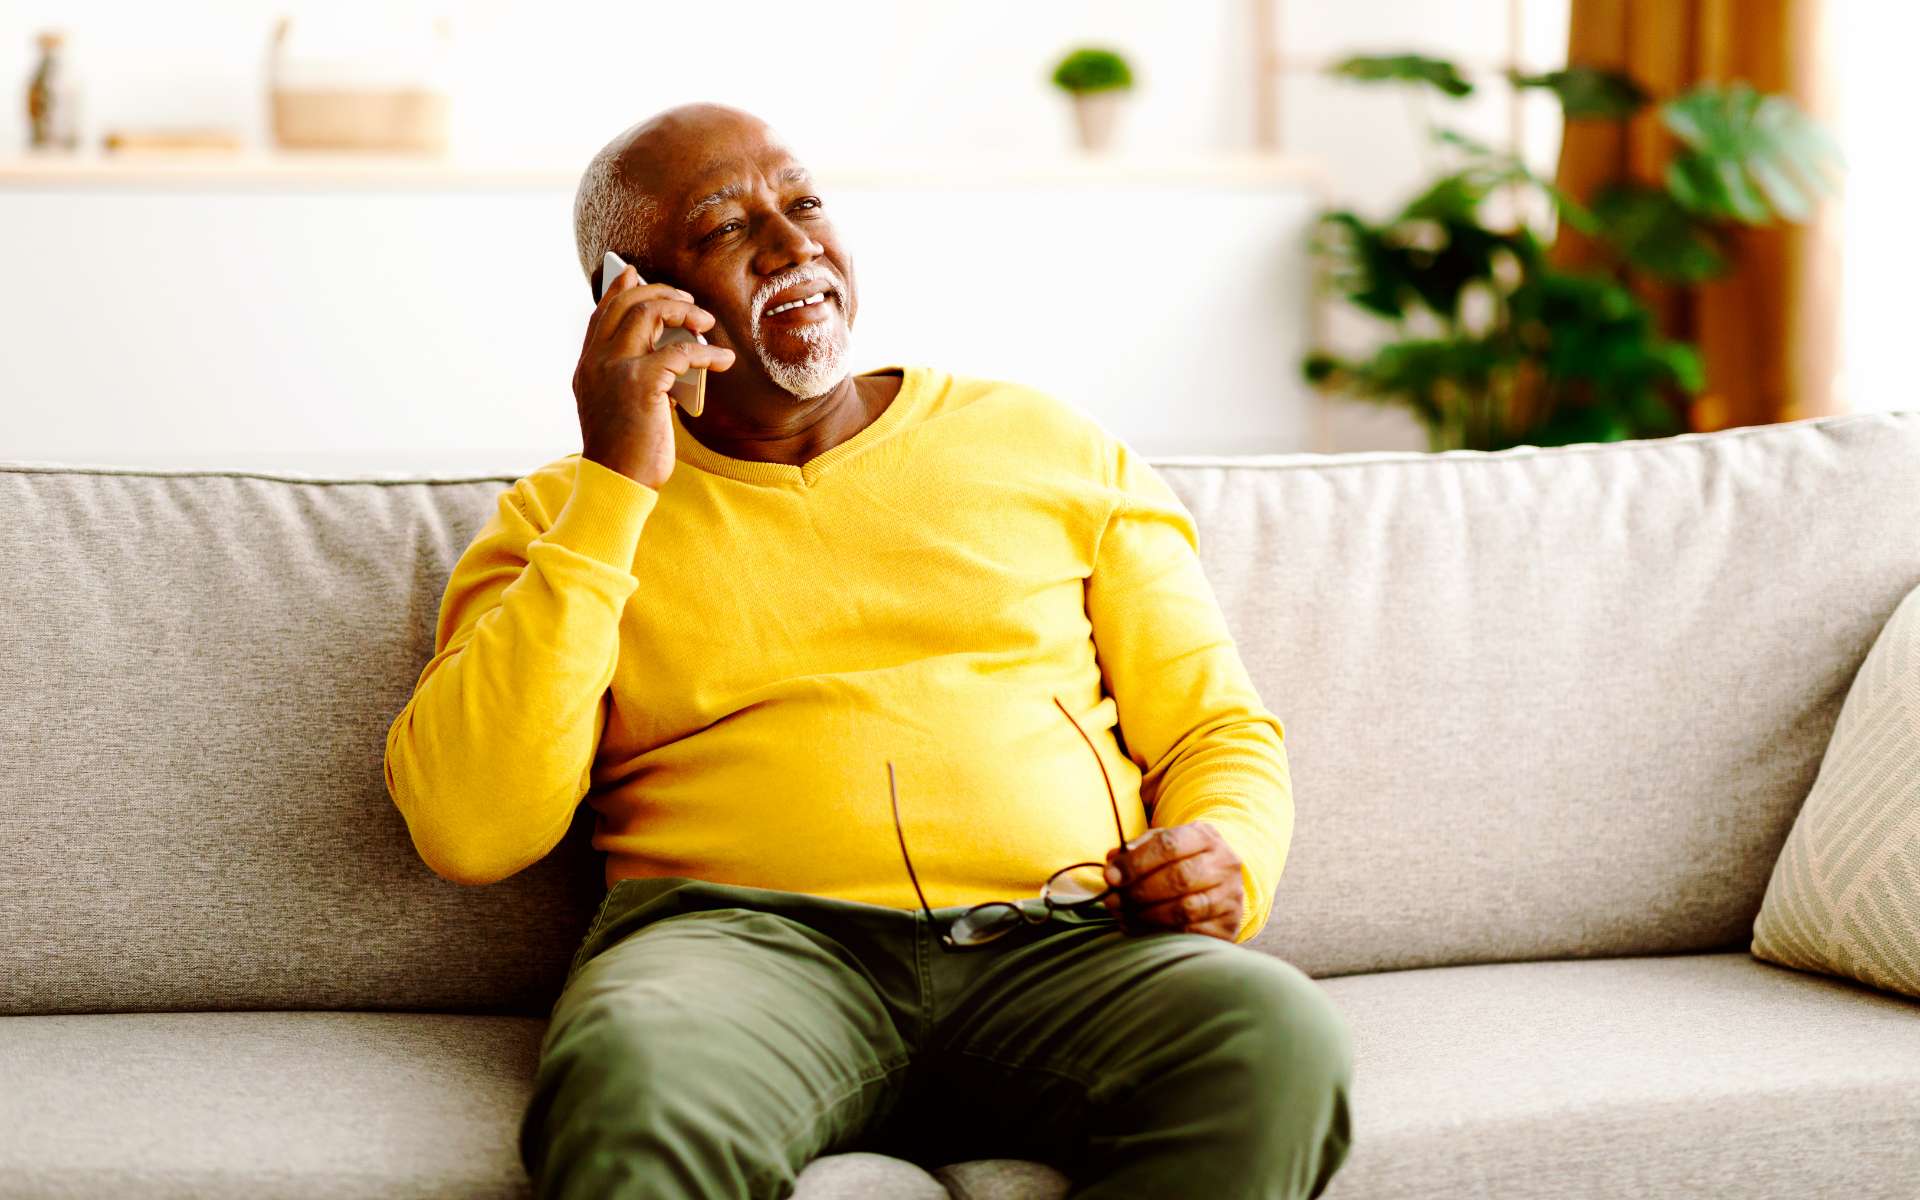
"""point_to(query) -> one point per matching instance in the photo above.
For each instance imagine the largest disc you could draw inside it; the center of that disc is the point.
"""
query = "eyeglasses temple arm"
(1102, 764)
(895, 794)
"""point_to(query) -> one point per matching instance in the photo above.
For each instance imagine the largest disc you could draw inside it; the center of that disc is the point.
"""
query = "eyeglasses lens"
(984, 923)
(1076, 884)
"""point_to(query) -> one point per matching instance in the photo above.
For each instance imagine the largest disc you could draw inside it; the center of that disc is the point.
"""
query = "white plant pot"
(1095, 113)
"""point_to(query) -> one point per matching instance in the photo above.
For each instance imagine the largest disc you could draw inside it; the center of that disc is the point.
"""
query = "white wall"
(346, 348)
(395, 326)
(1875, 96)
(845, 78)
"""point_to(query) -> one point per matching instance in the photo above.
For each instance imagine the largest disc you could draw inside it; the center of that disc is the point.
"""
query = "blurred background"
(321, 236)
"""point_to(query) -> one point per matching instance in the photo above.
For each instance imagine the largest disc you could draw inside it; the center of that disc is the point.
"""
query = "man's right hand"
(621, 385)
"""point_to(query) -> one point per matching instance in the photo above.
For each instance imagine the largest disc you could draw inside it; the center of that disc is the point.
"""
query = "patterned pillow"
(1845, 894)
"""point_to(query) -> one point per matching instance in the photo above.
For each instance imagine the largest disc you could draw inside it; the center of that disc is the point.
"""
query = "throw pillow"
(1844, 898)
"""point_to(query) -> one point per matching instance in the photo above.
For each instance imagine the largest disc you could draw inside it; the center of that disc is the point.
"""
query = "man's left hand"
(1183, 878)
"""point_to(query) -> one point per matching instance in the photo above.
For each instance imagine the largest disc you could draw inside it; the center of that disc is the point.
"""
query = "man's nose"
(786, 245)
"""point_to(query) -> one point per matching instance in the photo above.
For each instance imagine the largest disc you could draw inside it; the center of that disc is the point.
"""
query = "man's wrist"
(630, 467)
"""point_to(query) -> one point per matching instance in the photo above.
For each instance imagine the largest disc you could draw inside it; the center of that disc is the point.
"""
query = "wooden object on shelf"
(341, 119)
(136, 140)
(357, 102)
(53, 98)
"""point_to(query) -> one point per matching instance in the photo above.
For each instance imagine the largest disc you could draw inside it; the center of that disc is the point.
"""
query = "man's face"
(746, 230)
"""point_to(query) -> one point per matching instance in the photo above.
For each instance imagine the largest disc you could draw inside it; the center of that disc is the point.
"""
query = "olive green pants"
(712, 1040)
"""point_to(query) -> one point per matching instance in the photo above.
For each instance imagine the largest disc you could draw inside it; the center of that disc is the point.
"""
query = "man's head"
(707, 198)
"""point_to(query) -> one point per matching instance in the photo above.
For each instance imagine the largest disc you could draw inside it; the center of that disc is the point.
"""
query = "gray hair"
(609, 212)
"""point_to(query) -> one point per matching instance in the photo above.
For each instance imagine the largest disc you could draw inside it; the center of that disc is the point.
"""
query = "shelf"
(321, 169)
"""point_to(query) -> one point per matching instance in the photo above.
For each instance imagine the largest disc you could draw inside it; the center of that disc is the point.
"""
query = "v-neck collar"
(912, 396)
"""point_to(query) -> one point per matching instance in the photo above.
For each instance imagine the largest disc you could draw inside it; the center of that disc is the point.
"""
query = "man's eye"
(813, 200)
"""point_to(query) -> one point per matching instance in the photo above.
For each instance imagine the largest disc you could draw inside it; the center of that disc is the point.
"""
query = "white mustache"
(767, 293)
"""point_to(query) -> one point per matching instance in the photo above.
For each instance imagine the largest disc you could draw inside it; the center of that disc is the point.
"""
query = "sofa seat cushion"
(1686, 1075)
(297, 1105)
(247, 1104)
(1713, 1074)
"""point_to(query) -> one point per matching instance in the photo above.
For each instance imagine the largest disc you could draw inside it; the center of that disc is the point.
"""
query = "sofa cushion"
(293, 1104)
(1003, 1179)
(202, 667)
(203, 1106)
(1845, 893)
(1556, 702)
(1539, 703)
(1682, 1075)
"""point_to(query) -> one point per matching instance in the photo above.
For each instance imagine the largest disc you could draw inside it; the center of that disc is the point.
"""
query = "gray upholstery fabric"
(1560, 702)
(1002, 1179)
(201, 671)
(1539, 703)
(1699, 1075)
(860, 1175)
(1557, 704)
(251, 1104)
(206, 1106)
(1695, 1075)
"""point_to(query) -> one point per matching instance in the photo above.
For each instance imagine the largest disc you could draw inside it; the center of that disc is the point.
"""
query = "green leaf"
(1716, 187)
(1440, 274)
(1497, 168)
(1604, 364)
(1405, 68)
(1370, 271)
(1577, 214)
(1588, 91)
(1750, 157)
(1453, 197)
(1453, 137)
(1655, 232)
(1424, 373)
(1093, 69)
(1571, 424)
(1683, 363)
(1321, 369)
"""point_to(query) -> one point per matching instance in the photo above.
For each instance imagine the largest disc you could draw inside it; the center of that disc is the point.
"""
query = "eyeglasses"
(1070, 887)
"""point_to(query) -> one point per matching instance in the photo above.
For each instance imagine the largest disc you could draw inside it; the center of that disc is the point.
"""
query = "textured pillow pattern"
(1844, 898)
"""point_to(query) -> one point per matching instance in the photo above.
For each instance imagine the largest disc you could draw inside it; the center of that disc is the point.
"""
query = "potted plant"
(1492, 345)
(1096, 78)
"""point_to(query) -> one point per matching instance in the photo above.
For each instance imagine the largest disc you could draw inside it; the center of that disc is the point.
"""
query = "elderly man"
(838, 647)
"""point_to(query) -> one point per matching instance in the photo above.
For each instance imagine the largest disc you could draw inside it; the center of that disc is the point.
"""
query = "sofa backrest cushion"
(202, 667)
(1538, 703)
(1554, 702)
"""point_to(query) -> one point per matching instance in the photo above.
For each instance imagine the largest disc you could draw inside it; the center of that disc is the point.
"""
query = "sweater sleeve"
(1190, 718)
(490, 757)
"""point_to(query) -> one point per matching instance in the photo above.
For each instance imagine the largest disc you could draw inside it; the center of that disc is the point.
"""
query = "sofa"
(1550, 713)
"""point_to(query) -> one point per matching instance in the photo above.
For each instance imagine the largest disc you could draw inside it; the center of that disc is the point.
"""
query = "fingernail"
(1113, 874)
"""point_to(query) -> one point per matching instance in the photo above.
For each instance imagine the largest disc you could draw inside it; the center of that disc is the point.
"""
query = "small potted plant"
(1096, 78)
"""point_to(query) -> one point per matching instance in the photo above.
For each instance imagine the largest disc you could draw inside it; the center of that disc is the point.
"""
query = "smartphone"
(689, 388)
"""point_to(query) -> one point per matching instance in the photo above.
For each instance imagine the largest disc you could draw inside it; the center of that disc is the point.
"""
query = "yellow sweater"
(723, 666)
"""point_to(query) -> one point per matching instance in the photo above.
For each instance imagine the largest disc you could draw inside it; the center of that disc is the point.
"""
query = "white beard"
(827, 360)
